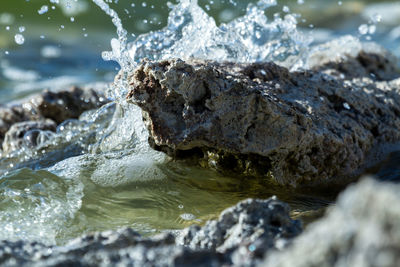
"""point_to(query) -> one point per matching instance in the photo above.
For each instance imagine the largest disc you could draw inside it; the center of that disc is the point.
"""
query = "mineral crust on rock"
(361, 230)
(240, 236)
(305, 127)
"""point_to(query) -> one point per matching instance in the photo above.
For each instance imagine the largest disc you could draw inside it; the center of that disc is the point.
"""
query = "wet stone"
(60, 106)
(264, 224)
(361, 230)
(45, 109)
(259, 119)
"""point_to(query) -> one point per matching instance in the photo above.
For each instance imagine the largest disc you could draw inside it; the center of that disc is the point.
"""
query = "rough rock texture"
(260, 119)
(361, 230)
(54, 106)
(60, 106)
(241, 235)
(245, 231)
(241, 224)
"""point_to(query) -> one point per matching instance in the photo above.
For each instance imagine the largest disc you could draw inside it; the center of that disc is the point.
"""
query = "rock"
(63, 105)
(241, 235)
(361, 230)
(56, 106)
(245, 231)
(260, 119)
(348, 58)
(26, 133)
(14, 114)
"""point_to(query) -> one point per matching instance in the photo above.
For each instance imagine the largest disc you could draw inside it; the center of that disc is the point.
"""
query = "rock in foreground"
(260, 119)
(241, 235)
(362, 230)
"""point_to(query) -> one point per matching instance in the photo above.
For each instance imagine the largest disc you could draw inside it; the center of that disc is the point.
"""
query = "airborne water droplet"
(43, 10)
(19, 39)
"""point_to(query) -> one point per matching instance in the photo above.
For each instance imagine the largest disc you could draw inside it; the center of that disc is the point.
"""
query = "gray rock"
(56, 106)
(241, 235)
(14, 114)
(25, 134)
(63, 105)
(244, 223)
(245, 231)
(361, 230)
(260, 119)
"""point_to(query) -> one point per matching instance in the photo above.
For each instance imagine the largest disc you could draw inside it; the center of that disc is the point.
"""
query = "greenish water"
(97, 173)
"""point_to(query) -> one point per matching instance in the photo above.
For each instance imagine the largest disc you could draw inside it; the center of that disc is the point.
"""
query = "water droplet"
(286, 9)
(21, 29)
(346, 105)
(72, 19)
(43, 10)
(19, 39)
(363, 29)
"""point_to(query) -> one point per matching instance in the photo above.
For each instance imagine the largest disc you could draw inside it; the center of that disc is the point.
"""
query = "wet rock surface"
(361, 230)
(259, 119)
(241, 235)
(44, 112)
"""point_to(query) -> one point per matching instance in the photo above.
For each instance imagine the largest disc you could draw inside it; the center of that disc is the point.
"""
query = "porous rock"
(361, 230)
(63, 105)
(241, 235)
(54, 106)
(259, 119)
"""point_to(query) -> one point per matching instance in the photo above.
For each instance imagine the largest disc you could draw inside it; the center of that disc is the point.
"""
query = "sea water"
(98, 172)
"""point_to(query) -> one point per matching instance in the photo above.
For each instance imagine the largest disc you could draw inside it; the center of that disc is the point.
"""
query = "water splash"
(37, 206)
(192, 33)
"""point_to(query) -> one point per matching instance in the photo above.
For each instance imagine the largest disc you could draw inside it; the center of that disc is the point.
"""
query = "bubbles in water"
(187, 216)
(19, 39)
(37, 205)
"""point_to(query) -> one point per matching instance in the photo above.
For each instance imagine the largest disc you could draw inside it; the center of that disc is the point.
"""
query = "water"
(98, 172)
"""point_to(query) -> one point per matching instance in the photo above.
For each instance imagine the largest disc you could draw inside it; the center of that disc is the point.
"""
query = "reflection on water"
(180, 195)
